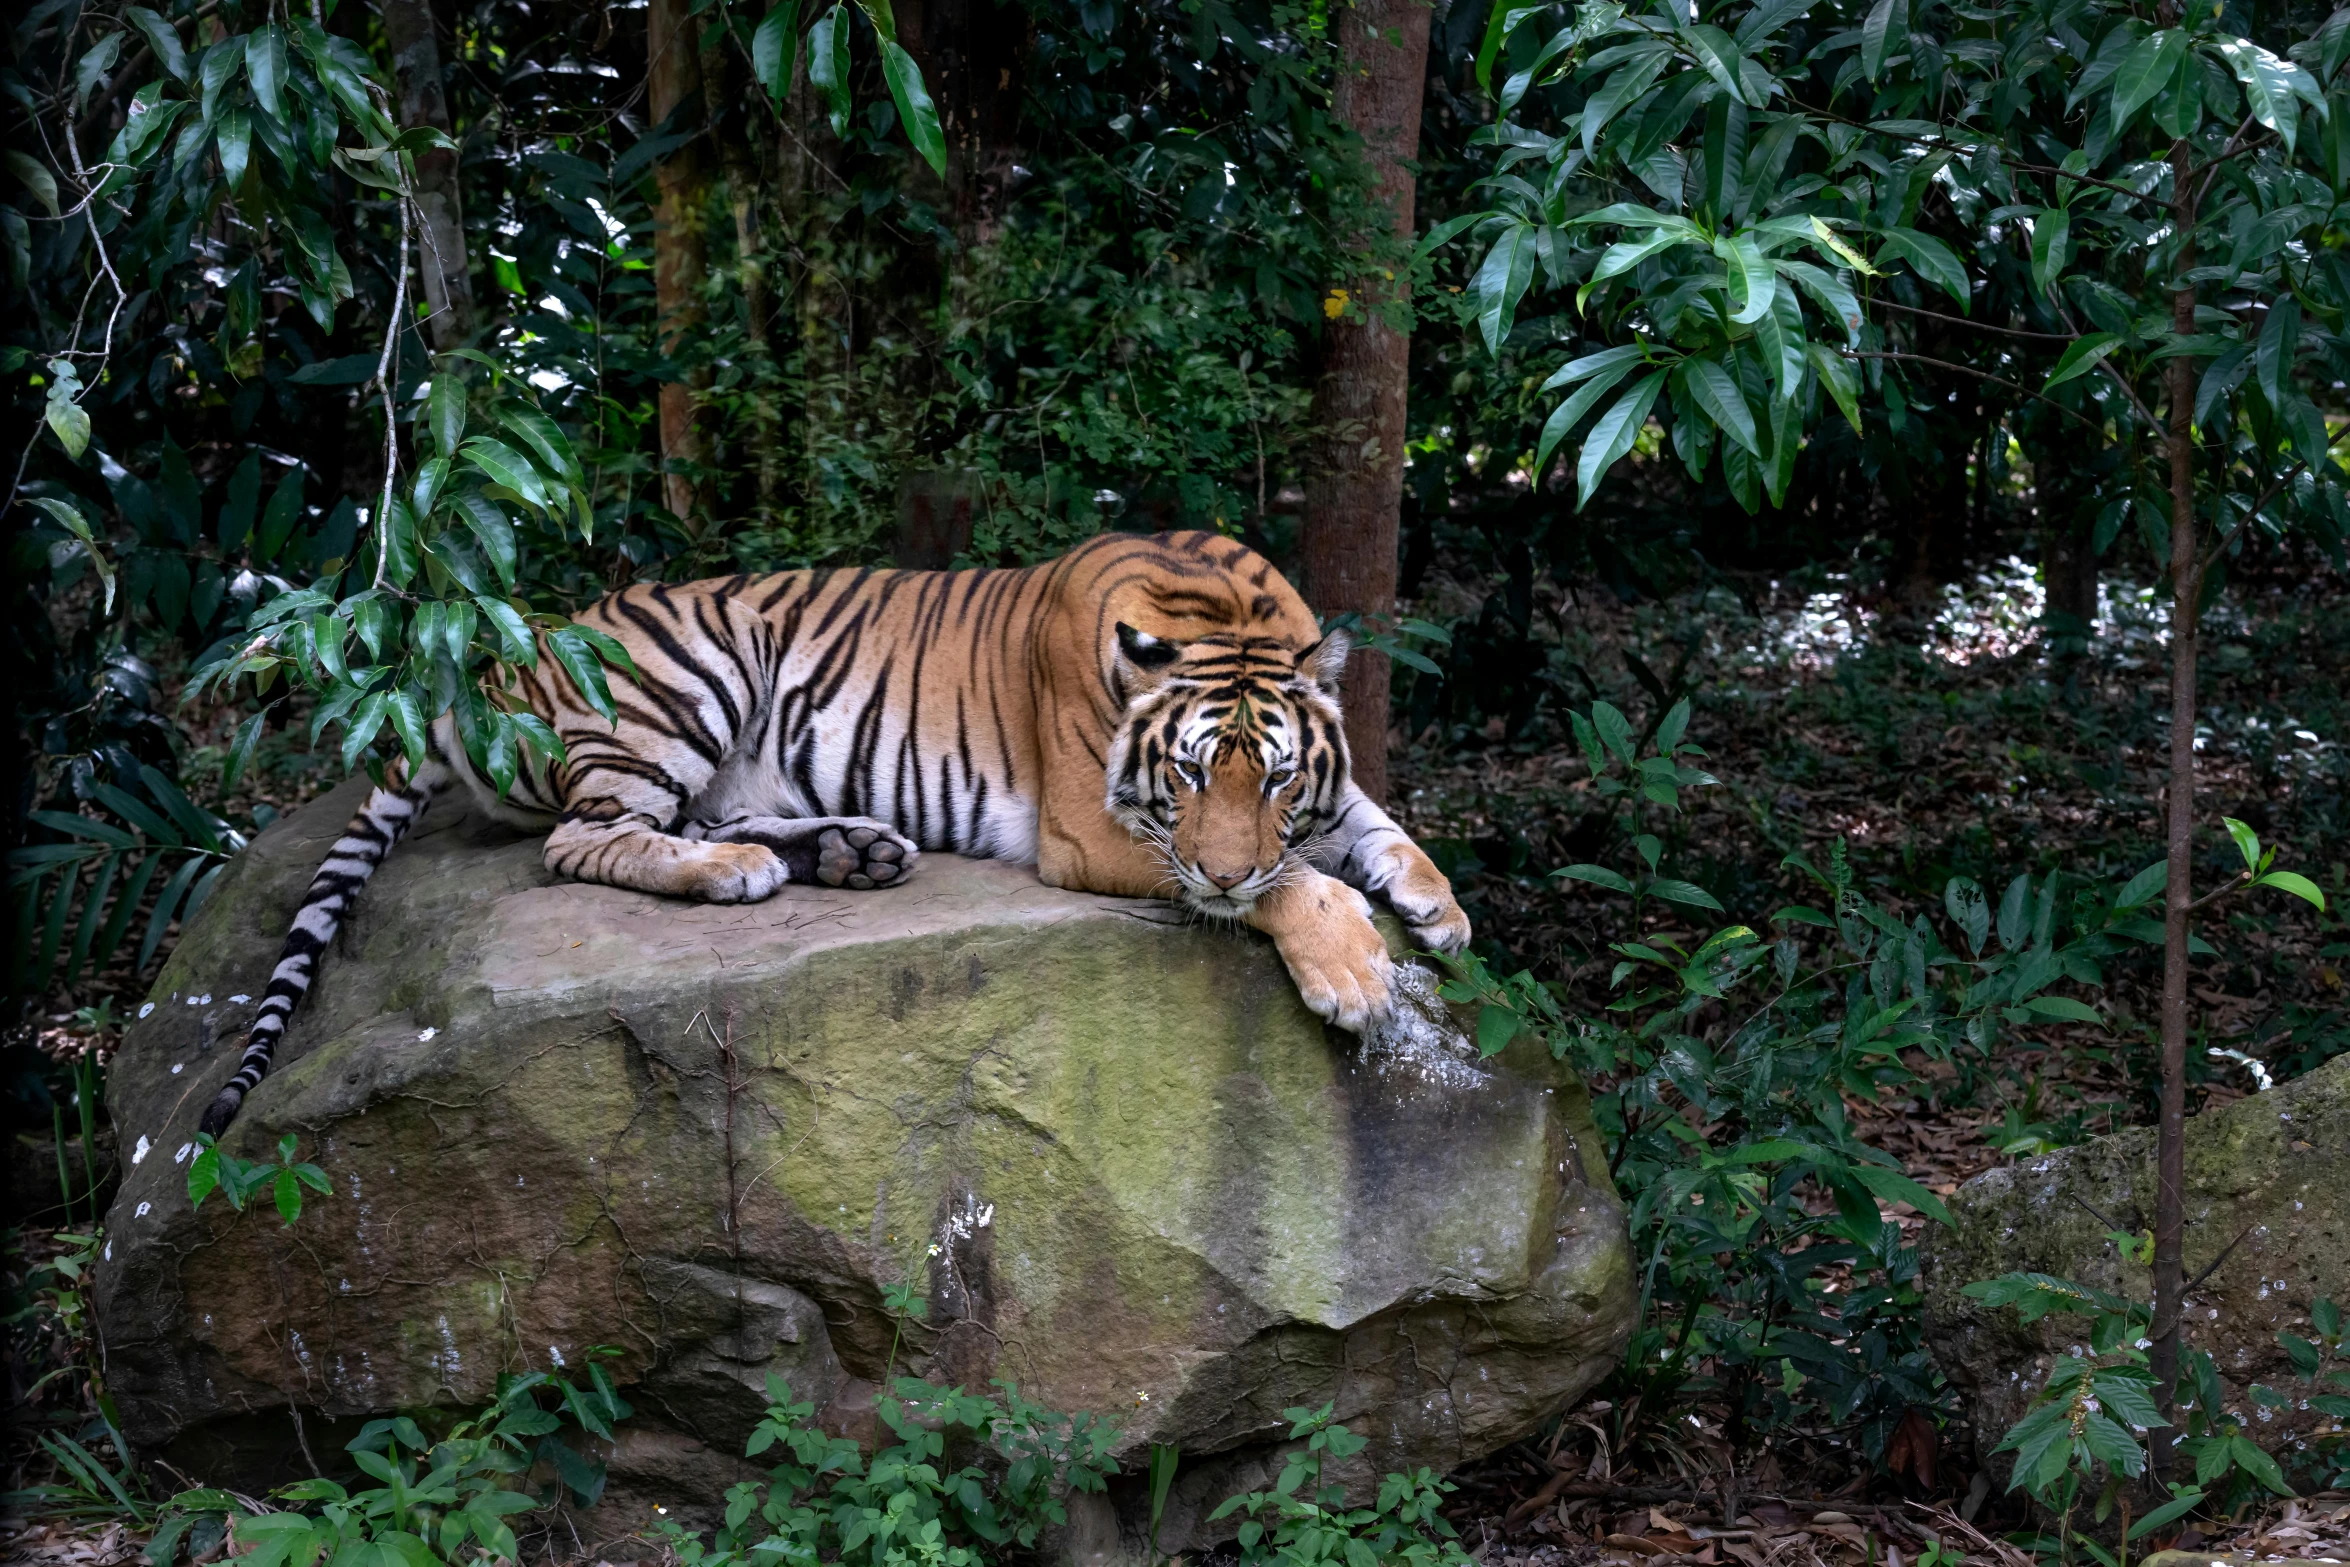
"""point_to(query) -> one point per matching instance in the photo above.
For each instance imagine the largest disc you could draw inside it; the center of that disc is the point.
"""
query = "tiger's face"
(1230, 760)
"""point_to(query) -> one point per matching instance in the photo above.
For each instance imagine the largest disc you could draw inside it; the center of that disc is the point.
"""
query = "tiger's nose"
(1224, 882)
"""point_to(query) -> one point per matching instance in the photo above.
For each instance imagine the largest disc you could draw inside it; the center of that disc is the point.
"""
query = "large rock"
(1128, 1169)
(2268, 1176)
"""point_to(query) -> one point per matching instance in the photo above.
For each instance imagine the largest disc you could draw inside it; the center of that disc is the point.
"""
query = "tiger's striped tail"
(379, 825)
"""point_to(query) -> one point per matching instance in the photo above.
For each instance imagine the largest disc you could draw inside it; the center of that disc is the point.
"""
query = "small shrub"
(1302, 1522)
(968, 1479)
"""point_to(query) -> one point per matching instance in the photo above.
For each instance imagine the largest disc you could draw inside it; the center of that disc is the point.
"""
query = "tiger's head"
(1230, 759)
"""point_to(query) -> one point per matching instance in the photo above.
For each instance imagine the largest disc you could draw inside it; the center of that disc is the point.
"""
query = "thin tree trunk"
(680, 259)
(1354, 484)
(750, 270)
(2170, 1207)
(424, 100)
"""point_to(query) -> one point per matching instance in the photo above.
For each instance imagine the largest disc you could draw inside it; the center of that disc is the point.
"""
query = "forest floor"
(1950, 744)
(1942, 742)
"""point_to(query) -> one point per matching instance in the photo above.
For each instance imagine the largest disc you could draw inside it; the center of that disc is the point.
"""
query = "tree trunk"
(2170, 1268)
(1354, 484)
(448, 280)
(750, 271)
(680, 259)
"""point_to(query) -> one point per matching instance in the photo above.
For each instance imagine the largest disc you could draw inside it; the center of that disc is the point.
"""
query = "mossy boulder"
(2268, 1186)
(1127, 1168)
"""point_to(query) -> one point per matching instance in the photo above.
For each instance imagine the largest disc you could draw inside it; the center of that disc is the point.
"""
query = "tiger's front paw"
(1420, 894)
(1335, 954)
(738, 873)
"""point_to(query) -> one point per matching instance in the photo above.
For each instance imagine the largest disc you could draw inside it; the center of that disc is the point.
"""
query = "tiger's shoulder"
(1182, 584)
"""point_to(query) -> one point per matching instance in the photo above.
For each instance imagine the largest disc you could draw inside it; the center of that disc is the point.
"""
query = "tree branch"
(1945, 364)
(1979, 326)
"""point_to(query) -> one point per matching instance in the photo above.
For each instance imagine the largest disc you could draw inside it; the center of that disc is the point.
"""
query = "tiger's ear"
(1324, 662)
(1143, 657)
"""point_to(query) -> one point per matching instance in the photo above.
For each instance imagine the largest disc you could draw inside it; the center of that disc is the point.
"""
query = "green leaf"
(36, 177)
(2270, 86)
(2249, 1458)
(1963, 899)
(2145, 71)
(505, 466)
(1754, 282)
(1503, 22)
(1716, 391)
(1718, 56)
(495, 532)
(1569, 413)
(2066, 1008)
(74, 523)
(2298, 885)
(1689, 893)
(2052, 245)
(915, 110)
(1625, 254)
(1882, 34)
(2280, 340)
(2247, 841)
(164, 39)
(265, 67)
(572, 651)
(1597, 875)
(1496, 1027)
(1501, 281)
(220, 64)
(2143, 887)
(2082, 357)
(407, 718)
(544, 437)
(1840, 379)
(1932, 260)
(68, 420)
(445, 411)
(774, 48)
(515, 642)
(1592, 364)
(1894, 1186)
(398, 541)
(288, 1193)
(828, 65)
(2187, 1499)
(1614, 434)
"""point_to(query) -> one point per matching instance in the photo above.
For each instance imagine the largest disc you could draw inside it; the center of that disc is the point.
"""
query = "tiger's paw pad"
(863, 857)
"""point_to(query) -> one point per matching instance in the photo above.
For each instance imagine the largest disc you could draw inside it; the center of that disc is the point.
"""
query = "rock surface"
(2267, 1175)
(1128, 1169)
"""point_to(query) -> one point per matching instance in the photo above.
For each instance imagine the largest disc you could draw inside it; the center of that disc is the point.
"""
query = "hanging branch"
(383, 513)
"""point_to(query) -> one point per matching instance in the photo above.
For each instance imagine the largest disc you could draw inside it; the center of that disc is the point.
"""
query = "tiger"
(1144, 716)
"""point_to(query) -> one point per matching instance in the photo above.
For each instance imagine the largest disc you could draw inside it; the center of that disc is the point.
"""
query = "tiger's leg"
(1366, 849)
(615, 830)
(830, 851)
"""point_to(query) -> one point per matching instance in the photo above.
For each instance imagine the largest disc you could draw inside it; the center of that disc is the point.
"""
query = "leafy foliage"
(2088, 1425)
(450, 1499)
(1721, 1073)
(238, 1179)
(1763, 201)
(1302, 1522)
(914, 1501)
(160, 856)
